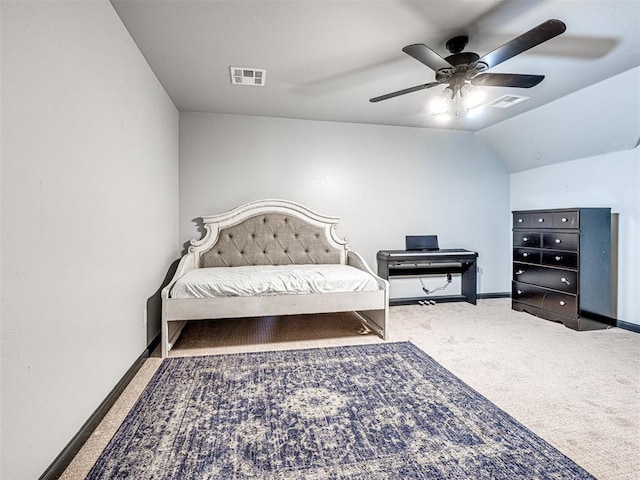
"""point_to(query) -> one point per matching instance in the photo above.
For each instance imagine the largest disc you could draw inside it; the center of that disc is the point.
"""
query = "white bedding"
(272, 280)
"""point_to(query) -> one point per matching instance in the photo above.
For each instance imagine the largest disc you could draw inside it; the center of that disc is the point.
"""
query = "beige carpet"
(580, 391)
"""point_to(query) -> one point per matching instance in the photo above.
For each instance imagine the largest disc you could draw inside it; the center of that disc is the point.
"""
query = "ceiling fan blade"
(543, 32)
(506, 80)
(425, 55)
(406, 90)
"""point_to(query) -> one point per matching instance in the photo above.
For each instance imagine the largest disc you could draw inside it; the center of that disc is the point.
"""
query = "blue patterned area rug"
(384, 411)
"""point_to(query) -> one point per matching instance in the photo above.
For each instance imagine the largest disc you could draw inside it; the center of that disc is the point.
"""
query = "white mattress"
(272, 280)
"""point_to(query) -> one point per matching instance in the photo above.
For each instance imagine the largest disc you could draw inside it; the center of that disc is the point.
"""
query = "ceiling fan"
(463, 70)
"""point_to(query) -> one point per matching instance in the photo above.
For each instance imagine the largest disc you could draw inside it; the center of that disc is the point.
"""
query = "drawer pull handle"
(565, 281)
(558, 258)
(558, 240)
(525, 254)
(540, 220)
(519, 292)
(563, 303)
(520, 220)
(519, 272)
(565, 219)
(525, 239)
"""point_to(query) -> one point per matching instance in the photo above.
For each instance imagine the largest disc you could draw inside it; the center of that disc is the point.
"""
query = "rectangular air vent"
(248, 76)
(506, 101)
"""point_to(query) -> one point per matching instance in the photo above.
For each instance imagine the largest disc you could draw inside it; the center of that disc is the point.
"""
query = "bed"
(271, 258)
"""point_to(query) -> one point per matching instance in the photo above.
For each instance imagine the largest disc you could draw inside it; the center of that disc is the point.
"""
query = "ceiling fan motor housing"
(461, 62)
(457, 44)
(465, 58)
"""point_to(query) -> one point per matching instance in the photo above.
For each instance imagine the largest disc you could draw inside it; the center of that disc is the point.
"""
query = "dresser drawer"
(521, 220)
(559, 258)
(526, 239)
(558, 279)
(562, 303)
(542, 220)
(561, 241)
(525, 273)
(529, 255)
(527, 294)
(555, 278)
(569, 219)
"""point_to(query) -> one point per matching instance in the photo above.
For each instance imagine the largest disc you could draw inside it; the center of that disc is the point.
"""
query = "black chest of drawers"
(562, 265)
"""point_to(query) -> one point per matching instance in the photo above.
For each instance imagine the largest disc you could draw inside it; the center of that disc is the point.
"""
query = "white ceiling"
(325, 58)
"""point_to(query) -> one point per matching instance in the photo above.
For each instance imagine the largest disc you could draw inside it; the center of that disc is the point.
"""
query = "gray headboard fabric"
(270, 239)
(268, 232)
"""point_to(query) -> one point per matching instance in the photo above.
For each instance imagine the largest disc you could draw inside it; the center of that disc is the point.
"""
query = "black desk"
(411, 263)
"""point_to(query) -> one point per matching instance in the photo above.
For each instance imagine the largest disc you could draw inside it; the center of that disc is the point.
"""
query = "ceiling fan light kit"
(457, 102)
(463, 72)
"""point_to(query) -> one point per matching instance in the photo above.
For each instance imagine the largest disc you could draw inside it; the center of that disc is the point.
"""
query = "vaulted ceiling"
(325, 59)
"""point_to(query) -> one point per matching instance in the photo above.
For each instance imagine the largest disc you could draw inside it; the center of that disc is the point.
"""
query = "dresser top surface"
(551, 210)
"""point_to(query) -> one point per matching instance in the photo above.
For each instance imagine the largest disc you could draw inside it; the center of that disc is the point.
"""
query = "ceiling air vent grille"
(248, 76)
(506, 101)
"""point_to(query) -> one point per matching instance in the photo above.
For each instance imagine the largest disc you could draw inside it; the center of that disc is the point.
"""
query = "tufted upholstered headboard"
(269, 232)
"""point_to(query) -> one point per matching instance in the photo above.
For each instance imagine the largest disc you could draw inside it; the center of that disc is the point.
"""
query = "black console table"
(412, 263)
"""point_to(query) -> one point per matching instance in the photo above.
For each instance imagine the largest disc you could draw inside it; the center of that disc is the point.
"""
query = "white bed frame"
(372, 306)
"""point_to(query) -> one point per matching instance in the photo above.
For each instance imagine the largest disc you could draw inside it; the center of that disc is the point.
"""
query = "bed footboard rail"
(376, 320)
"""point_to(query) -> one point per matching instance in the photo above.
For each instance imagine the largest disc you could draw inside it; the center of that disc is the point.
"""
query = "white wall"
(609, 180)
(89, 218)
(596, 120)
(384, 182)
